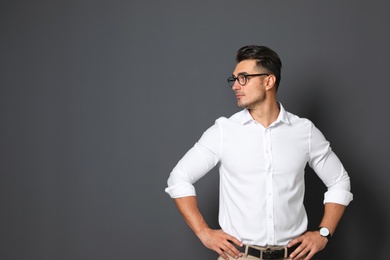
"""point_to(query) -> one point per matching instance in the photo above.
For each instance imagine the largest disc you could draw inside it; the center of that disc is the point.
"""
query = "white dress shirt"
(262, 174)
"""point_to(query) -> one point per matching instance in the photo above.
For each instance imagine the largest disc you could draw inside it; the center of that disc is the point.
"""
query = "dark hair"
(265, 57)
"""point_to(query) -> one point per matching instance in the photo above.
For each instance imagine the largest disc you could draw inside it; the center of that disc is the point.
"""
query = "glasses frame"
(233, 79)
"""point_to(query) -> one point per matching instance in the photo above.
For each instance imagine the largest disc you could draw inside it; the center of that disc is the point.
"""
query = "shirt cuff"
(342, 197)
(181, 190)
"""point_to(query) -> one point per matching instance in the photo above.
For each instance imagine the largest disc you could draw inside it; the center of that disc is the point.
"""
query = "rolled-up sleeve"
(330, 169)
(198, 161)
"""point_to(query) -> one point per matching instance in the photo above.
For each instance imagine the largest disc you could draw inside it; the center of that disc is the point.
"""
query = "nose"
(236, 85)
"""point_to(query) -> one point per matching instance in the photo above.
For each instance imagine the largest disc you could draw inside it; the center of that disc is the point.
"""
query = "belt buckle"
(269, 253)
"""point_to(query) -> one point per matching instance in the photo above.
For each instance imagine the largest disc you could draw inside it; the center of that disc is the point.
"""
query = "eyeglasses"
(242, 79)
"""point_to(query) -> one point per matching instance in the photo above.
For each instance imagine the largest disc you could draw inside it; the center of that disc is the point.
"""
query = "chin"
(243, 105)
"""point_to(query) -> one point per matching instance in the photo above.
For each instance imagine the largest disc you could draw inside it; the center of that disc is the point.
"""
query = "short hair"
(265, 58)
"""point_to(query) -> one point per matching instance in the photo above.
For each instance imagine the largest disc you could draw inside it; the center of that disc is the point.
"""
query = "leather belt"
(267, 253)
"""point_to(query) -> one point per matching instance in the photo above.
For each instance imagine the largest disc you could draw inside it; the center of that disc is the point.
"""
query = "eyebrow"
(241, 73)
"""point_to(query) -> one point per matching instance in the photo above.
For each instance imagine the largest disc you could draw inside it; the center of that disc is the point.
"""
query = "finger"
(232, 250)
(309, 256)
(236, 241)
(304, 253)
(295, 241)
(233, 254)
(297, 252)
(225, 256)
(311, 252)
(222, 254)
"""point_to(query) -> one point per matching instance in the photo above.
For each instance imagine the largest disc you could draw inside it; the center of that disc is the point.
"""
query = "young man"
(262, 152)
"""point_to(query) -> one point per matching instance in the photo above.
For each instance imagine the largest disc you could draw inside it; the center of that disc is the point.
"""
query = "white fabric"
(262, 174)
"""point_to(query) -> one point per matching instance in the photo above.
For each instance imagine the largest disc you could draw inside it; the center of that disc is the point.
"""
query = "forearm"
(332, 215)
(188, 207)
(216, 240)
(311, 242)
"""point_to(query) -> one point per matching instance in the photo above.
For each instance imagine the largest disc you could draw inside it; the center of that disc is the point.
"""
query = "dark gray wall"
(100, 99)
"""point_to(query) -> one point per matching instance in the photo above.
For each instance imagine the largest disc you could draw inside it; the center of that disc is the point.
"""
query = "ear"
(270, 82)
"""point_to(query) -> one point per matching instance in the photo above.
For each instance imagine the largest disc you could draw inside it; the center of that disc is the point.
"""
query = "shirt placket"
(269, 187)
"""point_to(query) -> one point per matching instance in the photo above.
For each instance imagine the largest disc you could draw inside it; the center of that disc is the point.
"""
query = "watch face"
(324, 232)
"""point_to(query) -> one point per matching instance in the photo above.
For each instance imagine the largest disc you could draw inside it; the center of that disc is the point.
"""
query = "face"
(253, 93)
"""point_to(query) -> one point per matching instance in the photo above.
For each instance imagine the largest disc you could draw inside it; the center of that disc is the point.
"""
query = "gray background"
(100, 99)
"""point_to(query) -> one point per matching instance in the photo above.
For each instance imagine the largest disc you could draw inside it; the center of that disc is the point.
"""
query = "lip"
(238, 95)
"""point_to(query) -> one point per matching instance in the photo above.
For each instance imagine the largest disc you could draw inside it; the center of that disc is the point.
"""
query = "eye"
(241, 79)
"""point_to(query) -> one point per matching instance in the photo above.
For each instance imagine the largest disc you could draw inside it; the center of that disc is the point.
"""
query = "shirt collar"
(245, 117)
(283, 115)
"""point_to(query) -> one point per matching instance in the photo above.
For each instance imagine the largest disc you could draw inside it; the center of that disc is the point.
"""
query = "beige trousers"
(244, 256)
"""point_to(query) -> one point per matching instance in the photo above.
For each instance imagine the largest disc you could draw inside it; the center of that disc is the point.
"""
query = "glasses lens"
(241, 79)
(231, 81)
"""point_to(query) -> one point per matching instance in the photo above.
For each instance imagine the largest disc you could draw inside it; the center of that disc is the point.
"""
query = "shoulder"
(240, 117)
(226, 123)
(237, 118)
(298, 121)
(305, 126)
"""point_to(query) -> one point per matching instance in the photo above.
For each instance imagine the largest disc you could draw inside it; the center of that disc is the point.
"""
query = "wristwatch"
(325, 232)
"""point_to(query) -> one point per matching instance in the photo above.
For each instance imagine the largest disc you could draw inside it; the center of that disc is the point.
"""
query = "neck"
(265, 114)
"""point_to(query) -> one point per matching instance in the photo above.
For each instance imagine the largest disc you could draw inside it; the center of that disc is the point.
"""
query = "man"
(262, 152)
